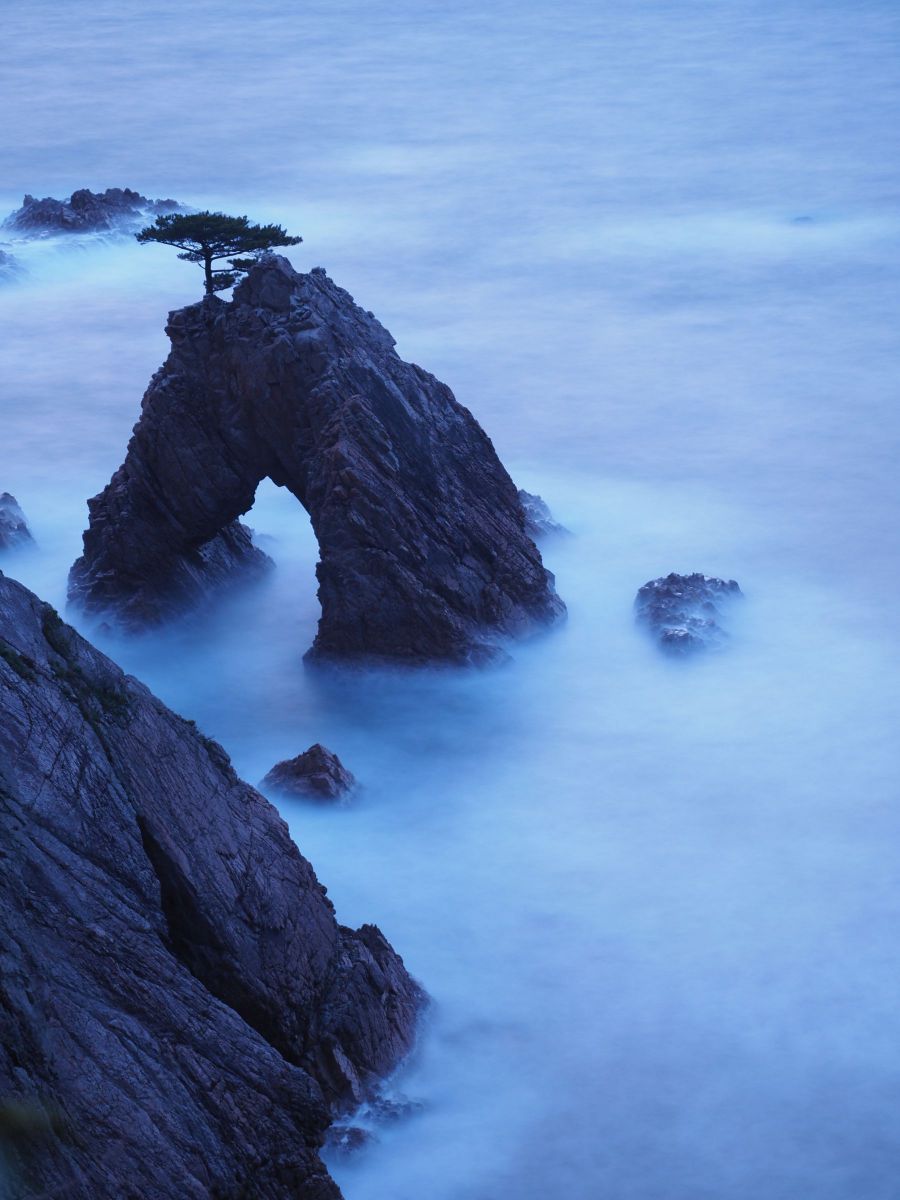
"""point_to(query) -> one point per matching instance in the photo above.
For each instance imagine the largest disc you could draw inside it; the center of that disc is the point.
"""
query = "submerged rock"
(316, 774)
(180, 1013)
(424, 554)
(14, 531)
(539, 520)
(9, 267)
(683, 611)
(87, 212)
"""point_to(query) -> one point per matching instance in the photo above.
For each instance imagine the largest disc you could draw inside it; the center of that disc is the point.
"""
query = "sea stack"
(425, 555)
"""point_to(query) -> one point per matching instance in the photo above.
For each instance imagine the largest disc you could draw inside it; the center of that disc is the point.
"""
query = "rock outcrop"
(316, 774)
(424, 554)
(116, 209)
(539, 521)
(180, 1013)
(14, 531)
(682, 612)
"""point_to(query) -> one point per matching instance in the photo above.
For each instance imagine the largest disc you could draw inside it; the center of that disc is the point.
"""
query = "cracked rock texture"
(116, 209)
(180, 1012)
(424, 551)
(683, 612)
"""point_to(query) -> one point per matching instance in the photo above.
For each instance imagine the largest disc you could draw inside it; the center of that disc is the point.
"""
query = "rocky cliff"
(179, 1010)
(424, 554)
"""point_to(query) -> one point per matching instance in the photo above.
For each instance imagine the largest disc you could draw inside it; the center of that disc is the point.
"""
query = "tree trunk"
(207, 268)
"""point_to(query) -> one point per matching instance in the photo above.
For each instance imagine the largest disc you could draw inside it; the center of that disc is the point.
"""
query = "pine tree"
(206, 237)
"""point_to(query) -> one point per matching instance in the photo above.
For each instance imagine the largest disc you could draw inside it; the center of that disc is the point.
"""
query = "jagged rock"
(539, 520)
(14, 531)
(683, 611)
(316, 774)
(180, 1013)
(423, 550)
(87, 212)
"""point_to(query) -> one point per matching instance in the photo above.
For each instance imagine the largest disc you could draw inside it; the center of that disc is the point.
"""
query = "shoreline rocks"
(316, 774)
(682, 612)
(115, 210)
(424, 553)
(182, 1015)
(14, 531)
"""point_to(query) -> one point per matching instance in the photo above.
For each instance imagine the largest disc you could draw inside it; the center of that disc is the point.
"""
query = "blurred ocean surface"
(654, 247)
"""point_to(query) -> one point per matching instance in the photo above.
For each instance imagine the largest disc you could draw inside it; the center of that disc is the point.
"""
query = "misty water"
(654, 248)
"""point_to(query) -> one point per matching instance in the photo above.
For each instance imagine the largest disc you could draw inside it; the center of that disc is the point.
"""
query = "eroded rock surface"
(683, 612)
(14, 531)
(86, 212)
(424, 554)
(180, 1013)
(316, 774)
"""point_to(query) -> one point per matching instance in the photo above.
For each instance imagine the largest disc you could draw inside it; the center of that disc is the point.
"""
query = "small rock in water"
(14, 531)
(317, 774)
(538, 517)
(682, 612)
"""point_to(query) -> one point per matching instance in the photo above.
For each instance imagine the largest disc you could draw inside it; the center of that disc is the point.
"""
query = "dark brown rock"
(683, 612)
(316, 774)
(424, 554)
(180, 1013)
(14, 531)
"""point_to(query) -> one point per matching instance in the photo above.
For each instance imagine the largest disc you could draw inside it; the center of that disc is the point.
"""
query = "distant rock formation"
(116, 209)
(424, 554)
(14, 531)
(316, 774)
(10, 268)
(180, 1013)
(682, 612)
(539, 520)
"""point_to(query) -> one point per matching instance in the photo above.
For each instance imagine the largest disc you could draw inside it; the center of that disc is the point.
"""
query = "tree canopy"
(207, 237)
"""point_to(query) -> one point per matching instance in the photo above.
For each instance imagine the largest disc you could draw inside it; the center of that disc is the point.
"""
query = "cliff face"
(424, 554)
(179, 1010)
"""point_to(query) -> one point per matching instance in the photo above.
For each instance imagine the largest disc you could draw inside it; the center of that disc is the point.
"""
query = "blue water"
(654, 247)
